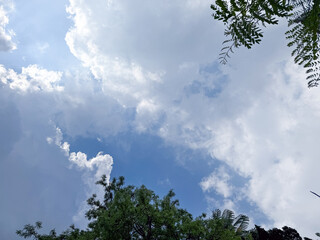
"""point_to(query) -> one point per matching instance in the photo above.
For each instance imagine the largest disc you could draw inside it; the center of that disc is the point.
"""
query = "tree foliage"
(286, 233)
(128, 212)
(244, 20)
(132, 213)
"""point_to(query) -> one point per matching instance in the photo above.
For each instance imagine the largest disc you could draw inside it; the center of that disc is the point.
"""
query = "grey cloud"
(10, 127)
(32, 172)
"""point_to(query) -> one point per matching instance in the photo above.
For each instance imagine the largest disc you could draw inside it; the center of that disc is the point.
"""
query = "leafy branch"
(244, 20)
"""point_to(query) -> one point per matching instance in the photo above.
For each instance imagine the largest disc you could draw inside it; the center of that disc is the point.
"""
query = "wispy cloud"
(57, 139)
(219, 181)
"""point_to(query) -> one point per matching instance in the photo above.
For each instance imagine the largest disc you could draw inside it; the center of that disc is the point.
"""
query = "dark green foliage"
(132, 213)
(128, 212)
(286, 233)
(135, 213)
(244, 18)
(304, 34)
(224, 225)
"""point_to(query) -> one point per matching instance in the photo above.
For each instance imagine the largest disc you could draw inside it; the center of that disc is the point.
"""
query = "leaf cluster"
(244, 18)
(304, 35)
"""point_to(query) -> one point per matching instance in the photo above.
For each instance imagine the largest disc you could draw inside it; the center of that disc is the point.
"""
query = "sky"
(135, 89)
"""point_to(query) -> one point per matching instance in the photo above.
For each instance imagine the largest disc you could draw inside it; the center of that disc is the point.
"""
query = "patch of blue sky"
(147, 159)
(40, 38)
(212, 81)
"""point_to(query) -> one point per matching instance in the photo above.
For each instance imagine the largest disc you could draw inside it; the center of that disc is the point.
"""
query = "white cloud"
(130, 59)
(102, 163)
(273, 143)
(32, 78)
(71, 100)
(81, 109)
(65, 146)
(259, 117)
(219, 180)
(6, 42)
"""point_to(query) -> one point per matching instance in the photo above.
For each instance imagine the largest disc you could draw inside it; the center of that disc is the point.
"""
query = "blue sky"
(127, 88)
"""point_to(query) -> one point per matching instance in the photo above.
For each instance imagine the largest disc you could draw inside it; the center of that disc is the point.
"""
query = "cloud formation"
(218, 181)
(257, 116)
(102, 162)
(6, 42)
(57, 140)
(154, 71)
(32, 78)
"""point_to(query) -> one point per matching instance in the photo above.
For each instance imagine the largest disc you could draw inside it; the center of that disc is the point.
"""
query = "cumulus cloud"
(32, 78)
(6, 42)
(101, 163)
(154, 70)
(256, 116)
(32, 101)
(133, 68)
(71, 100)
(272, 143)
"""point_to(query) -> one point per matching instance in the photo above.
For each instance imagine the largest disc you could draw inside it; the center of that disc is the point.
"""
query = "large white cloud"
(259, 117)
(156, 58)
(6, 42)
(133, 58)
